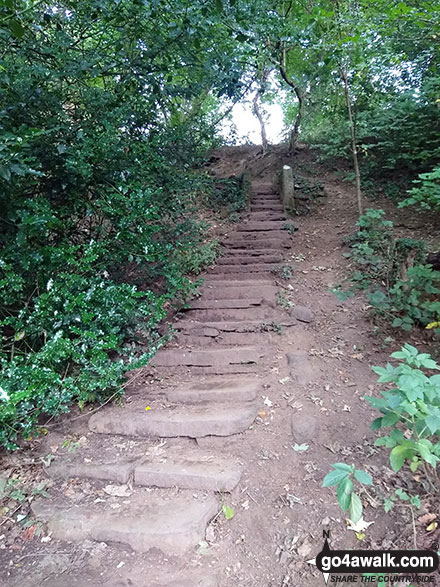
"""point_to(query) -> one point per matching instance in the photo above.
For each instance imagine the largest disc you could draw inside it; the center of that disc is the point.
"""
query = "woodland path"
(260, 364)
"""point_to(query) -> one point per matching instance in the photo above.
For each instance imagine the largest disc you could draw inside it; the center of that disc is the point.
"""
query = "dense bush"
(105, 116)
(425, 195)
(400, 286)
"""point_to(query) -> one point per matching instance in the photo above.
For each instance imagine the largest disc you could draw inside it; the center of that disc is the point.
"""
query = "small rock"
(303, 428)
(303, 314)
(305, 549)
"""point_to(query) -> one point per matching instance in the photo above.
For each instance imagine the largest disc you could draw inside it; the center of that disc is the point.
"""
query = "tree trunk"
(353, 141)
(257, 112)
(294, 133)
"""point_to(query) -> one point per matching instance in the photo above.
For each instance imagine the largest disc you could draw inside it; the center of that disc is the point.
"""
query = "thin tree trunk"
(257, 112)
(294, 133)
(353, 141)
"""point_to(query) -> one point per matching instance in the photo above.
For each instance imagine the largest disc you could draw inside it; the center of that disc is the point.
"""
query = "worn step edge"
(194, 422)
(172, 526)
(215, 390)
(206, 358)
(232, 326)
(228, 303)
(193, 470)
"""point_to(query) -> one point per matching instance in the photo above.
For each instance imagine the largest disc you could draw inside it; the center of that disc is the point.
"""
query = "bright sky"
(247, 128)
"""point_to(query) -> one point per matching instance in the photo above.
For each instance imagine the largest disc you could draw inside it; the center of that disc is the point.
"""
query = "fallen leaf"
(358, 527)
(427, 519)
(300, 447)
(432, 526)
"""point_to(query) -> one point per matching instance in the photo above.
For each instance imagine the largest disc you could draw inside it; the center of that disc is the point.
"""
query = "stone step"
(202, 358)
(232, 326)
(179, 579)
(262, 187)
(172, 524)
(240, 277)
(261, 225)
(256, 282)
(267, 215)
(228, 303)
(218, 315)
(238, 292)
(194, 421)
(248, 268)
(168, 467)
(237, 242)
(218, 389)
(255, 253)
(260, 235)
(232, 259)
(266, 206)
(266, 200)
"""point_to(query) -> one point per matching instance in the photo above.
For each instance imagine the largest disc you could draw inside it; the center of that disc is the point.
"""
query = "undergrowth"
(402, 289)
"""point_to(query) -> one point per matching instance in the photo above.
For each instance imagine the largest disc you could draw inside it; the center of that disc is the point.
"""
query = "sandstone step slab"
(169, 468)
(202, 358)
(262, 187)
(190, 471)
(171, 577)
(249, 268)
(240, 276)
(194, 422)
(273, 243)
(256, 282)
(216, 390)
(261, 235)
(220, 315)
(228, 303)
(235, 259)
(255, 253)
(154, 578)
(172, 525)
(116, 471)
(258, 226)
(266, 207)
(240, 292)
(233, 326)
(267, 215)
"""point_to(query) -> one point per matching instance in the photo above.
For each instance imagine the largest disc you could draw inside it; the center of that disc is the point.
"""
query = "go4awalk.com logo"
(412, 567)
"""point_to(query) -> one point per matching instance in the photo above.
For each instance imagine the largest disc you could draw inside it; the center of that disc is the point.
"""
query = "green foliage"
(229, 195)
(412, 500)
(344, 477)
(426, 194)
(400, 287)
(283, 272)
(410, 408)
(107, 111)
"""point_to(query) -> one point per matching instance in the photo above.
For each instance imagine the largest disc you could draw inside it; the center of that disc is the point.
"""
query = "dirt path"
(248, 407)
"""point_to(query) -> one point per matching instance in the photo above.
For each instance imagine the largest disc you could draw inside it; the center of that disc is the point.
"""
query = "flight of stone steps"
(211, 389)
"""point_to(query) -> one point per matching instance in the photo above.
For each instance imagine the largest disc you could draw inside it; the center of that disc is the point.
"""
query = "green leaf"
(356, 509)
(228, 511)
(334, 477)
(16, 28)
(343, 467)
(398, 456)
(363, 477)
(344, 492)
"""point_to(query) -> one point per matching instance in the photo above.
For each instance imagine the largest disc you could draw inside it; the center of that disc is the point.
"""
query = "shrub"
(411, 409)
(400, 286)
(426, 194)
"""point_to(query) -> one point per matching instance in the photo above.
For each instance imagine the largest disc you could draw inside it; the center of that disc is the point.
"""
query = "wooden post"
(288, 188)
